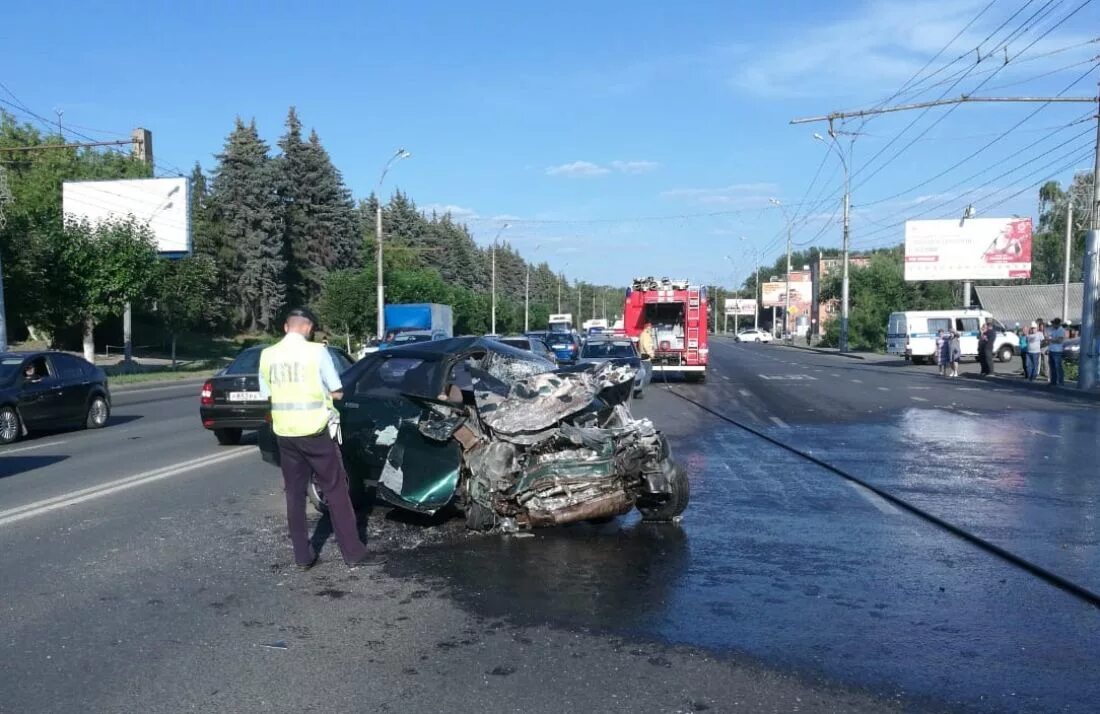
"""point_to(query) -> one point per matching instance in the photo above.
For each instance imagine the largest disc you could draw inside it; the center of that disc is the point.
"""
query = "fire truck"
(678, 313)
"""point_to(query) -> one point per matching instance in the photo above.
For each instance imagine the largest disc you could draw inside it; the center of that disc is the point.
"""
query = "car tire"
(10, 426)
(676, 502)
(1005, 354)
(478, 517)
(99, 412)
(757, 340)
(228, 437)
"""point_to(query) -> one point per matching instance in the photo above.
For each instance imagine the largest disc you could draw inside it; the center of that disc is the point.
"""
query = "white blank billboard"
(163, 204)
(740, 306)
(973, 249)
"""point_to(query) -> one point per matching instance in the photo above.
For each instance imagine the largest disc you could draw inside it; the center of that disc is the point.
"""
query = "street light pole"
(493, 328)
(847, 200)
(400, 154)
(1087, 369)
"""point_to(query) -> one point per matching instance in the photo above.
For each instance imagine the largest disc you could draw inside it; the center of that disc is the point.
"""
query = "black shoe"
(310, 564)
(368, 560)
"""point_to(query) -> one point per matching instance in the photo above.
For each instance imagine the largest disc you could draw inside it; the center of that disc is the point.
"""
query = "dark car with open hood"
(502, 435)
(50, 390)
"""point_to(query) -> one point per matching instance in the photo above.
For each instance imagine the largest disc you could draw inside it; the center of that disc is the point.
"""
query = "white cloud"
(881, 45)
(739, 194)
(505, 217)
(588, 169)
(578, 169)
(457, 212)
(634, 167)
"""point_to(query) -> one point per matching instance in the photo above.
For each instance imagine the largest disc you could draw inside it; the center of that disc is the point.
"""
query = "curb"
(1041, 387)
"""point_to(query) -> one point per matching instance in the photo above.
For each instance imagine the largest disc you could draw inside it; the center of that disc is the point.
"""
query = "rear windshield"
(247, 362)
(9, 367)
(608, 349)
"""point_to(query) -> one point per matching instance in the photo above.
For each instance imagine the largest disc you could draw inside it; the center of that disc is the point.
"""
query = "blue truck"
(417, 322)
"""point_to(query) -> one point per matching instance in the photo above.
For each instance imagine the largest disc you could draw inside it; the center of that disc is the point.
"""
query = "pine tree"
(250, 215)
(322, 231)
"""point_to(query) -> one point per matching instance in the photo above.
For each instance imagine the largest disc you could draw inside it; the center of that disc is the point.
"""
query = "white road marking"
(787, 377)
(779, 422)
(969, 413)
(72, 498)
(873, 498)
(920, 388)
(1036, 432)
(744, 392)
(726, 378)
(883, 389)
(857, 381)
(918, 399)
(968, 389)
(7, 452)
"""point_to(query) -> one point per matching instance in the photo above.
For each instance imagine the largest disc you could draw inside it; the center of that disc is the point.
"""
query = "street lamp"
(400, 154)
(527, 296)
(561, 279)
(787, 328)
(844, 280)
(493, 328)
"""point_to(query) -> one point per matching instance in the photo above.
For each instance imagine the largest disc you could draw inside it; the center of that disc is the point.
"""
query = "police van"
(913, 334)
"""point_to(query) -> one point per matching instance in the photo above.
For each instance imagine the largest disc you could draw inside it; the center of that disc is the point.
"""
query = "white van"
(913, 334)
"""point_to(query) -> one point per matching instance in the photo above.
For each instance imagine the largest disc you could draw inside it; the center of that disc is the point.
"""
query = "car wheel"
(9, 425)
(1005, 354)
(98, 413)
(478, 517)
(757, 339)
(316, 497)
(676, 502)
(228, 437)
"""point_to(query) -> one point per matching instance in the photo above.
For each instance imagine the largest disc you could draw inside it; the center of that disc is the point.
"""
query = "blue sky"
(617, 138)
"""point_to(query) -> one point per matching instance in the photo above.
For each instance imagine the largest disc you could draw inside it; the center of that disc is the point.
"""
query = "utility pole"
(1087, 373)
(400, 154)
(493, 328)
(5, 199)
(561, 279)
(142, 143)
(1069, 248)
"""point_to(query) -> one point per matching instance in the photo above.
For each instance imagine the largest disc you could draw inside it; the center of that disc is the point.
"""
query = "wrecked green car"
(503, 436)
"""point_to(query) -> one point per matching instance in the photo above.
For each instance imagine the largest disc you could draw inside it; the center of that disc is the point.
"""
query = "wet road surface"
(784, 586)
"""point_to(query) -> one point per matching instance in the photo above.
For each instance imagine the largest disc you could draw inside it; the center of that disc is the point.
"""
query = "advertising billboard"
(740, 306)
(972, 249)
(773, 294)
(163, 204)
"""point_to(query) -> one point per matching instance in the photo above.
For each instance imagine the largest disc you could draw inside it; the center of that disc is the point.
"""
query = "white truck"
(561, 322)
(913, 334)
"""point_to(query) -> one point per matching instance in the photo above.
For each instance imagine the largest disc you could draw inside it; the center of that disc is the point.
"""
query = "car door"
(40, 395)
(75, 384)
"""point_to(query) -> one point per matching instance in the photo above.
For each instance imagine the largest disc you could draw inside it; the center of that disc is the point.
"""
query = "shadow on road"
(12, 465)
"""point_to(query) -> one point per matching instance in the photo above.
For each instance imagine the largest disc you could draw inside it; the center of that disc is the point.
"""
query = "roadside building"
(821, 311)
(1022, 304)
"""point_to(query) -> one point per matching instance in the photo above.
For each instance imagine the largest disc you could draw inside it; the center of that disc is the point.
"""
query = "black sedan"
(231, 402)
(50, 390)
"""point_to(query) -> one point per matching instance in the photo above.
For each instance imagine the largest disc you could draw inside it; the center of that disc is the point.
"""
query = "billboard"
(972, 249)
(773, 294)
(740, 306)
(163, 204)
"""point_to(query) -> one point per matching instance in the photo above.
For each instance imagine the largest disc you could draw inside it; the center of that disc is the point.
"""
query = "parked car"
(1071, 349)
(753, 334)
(534, 345)
(604, 348)
(230, 402)
(503, 436)
(565, 345)
(50, 390)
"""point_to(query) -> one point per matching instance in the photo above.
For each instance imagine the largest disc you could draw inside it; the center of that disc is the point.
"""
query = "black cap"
(304, 312)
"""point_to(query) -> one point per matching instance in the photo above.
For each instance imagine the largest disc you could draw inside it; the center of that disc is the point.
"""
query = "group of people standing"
(1040, 345)
(1039, 341)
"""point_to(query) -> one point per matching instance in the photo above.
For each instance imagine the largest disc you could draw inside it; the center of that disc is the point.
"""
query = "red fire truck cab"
(678, 313)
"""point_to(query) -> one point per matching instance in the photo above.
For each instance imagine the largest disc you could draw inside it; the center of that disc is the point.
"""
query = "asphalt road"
(146, 568)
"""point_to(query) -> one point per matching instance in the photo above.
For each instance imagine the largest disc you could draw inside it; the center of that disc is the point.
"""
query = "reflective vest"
(299, 401)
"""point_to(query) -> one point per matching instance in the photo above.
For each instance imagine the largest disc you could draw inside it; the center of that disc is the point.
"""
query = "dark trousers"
(1057, 371)
(1023, 359)
(985, 356)
(318, 456)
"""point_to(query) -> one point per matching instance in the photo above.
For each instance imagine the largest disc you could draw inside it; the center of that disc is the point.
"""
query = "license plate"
(245, 397)
(561, 347)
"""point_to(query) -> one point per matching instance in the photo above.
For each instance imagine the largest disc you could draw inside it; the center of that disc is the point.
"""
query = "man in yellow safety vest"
(301, 380)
